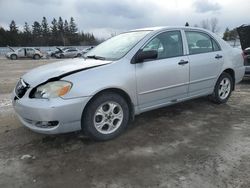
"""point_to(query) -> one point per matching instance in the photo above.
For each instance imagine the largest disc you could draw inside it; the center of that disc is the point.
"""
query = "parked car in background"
(124, 76)
(69, 52)
(84, 51)
(244, 34)
(25, 52)
(52, 53)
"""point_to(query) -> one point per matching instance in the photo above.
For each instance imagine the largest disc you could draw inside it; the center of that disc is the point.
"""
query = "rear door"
(166, 78)
(206, 61)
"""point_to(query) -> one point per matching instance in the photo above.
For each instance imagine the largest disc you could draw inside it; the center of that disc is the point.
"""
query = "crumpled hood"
(43, 73)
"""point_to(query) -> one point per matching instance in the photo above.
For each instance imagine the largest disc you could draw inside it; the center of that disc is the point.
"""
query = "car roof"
(159, 28)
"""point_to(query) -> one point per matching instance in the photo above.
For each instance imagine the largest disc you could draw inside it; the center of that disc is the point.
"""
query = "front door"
(21, 52)
(165, 79)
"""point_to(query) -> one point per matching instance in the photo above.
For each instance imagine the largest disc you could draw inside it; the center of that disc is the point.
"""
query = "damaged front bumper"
(50, 116)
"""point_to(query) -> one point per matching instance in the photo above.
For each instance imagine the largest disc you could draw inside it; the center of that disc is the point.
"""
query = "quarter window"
(200, 43)
(168, 44)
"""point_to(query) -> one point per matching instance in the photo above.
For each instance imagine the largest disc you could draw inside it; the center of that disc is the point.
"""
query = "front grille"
(21, 88)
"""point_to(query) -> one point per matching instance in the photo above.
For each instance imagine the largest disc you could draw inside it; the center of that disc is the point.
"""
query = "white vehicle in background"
(70, 52)
(26, 52)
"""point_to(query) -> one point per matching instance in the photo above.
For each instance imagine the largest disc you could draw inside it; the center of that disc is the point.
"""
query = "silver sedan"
(131, 73)
(70, 52)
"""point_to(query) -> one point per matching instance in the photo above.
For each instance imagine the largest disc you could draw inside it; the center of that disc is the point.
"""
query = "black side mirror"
(145, 55)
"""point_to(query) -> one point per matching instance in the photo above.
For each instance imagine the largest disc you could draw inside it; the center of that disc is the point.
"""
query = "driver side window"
(167, 44)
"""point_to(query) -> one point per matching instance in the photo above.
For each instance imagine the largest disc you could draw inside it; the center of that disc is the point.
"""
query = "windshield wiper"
(96, 57)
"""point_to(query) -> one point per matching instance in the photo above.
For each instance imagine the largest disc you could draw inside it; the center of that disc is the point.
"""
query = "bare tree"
(205, 24)
(214, 25)
(211, 24)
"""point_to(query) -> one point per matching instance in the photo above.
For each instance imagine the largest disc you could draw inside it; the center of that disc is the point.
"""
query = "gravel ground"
(189, 145)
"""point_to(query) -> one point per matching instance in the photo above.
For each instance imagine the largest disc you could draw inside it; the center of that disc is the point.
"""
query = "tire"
(36, 56)
(222, 89)
(13, 57)
(108, 111)
(61, 56)
(78, 55)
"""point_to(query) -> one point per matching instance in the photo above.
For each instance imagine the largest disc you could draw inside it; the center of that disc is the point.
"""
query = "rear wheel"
(61, 56)
(13, 57)
(223, 89)
(78, 55)
(106, 117)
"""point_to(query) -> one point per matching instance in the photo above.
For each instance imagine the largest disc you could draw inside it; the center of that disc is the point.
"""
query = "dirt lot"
(193, 144)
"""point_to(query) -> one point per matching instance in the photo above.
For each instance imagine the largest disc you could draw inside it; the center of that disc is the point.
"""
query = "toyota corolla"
(131, 73)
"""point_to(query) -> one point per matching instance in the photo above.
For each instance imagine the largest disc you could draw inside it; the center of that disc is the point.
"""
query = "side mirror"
(145, 55)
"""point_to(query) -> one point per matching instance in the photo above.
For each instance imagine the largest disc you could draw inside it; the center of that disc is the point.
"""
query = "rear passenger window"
(167, 44)
(200, 43)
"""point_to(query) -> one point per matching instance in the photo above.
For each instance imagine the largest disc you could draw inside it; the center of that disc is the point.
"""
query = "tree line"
(59, 33)
(230, 35)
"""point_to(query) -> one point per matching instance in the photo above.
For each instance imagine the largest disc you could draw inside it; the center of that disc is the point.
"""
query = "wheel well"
(119, 92)
(232, 74)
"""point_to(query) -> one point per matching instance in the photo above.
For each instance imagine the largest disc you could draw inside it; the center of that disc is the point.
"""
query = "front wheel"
(106, 117)
(223, 89)
(36, 56)
(13, 57)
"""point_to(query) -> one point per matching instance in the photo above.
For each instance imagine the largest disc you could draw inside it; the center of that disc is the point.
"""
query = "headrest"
(203, 43)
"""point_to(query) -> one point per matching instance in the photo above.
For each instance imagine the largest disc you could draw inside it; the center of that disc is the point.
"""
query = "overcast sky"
(103, 17)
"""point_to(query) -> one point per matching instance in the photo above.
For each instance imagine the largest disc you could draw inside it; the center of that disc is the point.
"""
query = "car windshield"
(116, 47)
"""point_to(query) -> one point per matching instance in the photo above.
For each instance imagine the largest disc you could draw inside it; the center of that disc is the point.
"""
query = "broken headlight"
(52, 89)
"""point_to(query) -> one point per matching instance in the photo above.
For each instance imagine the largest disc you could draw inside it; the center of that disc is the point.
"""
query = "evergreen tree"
(26, 28)
(66, 27)
(13, 27)
(60, 25)
(56, 33)
(45, 27)
(66, 33)
(72, 26)
(226, 34)
(36, 29)
(54, 28)
(3, 37)
(37, 33)
(187, 24)
(26, 35)
(12, 35)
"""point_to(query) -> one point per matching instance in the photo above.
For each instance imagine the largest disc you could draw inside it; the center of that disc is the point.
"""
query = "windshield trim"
(116, 59)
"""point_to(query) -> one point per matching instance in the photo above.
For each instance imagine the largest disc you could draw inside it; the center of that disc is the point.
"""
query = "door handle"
(218, 56)
(183, 62)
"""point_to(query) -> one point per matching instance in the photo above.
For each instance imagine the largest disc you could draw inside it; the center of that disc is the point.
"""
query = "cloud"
(44, 2)
(203, 6)
(113, 13)
(103, 17)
